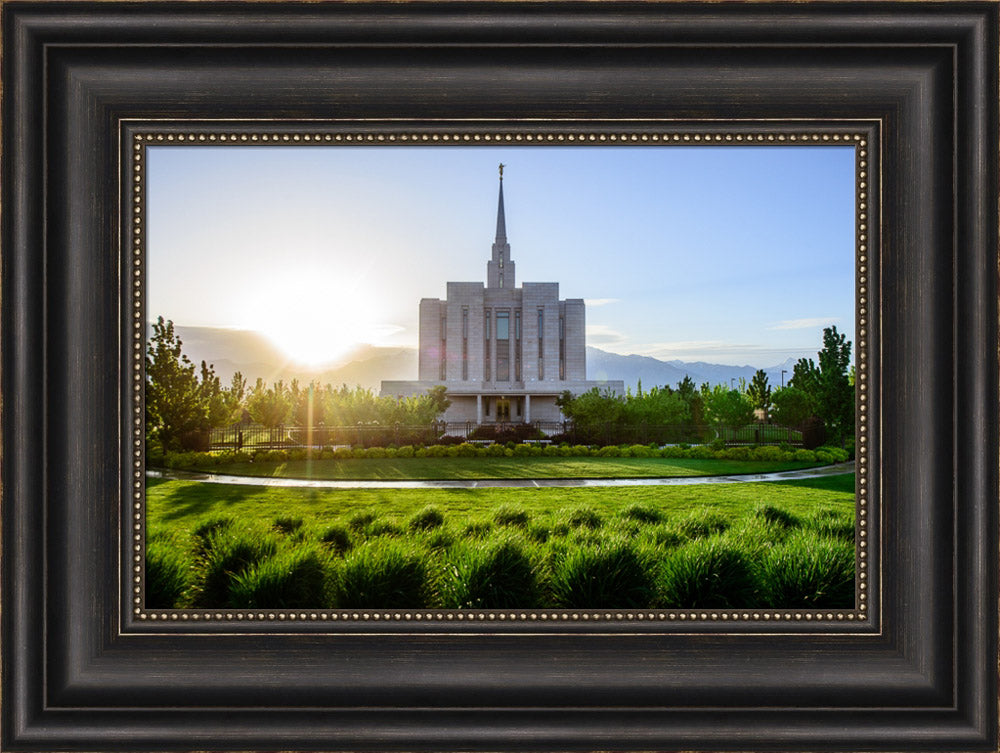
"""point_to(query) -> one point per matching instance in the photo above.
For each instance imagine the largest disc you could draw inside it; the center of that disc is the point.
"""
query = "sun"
(312, 322)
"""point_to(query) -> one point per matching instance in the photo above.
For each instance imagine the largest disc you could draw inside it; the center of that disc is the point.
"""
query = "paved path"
(212, 478)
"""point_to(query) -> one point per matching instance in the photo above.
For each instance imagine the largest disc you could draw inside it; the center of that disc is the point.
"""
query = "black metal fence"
(255, 437)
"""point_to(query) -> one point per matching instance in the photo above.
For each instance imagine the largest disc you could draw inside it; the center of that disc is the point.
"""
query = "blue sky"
(728, 254)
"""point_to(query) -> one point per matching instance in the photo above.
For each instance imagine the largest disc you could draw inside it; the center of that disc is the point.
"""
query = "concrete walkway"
(212, 478)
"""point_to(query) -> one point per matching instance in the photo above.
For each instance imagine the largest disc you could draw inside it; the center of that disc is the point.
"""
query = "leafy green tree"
(726, 407)
(180, 406)
(828, 385)
(759, 393)
(269, 406)
(791, 406)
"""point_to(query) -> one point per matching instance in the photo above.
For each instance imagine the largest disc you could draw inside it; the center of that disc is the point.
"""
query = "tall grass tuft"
(286, 524)
(360, 521)
(498, 575)
(384, 573)
(775, 515)
(168, 574)
(707, 573)
(204, 530)
(509, 515)
(701, 524)
(809, 571)
(644, 514)
(611, 574)
(297, 577)
(228, 553)
(429, 517)
(584, 517)
(337, 537)
(839, 525)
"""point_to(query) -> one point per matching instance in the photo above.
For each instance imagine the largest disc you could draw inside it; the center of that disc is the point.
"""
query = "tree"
(759, 392)
(180, 408)
(791, 406)
(725, 407)
(269, 406)
(828, 385)
(438, 397)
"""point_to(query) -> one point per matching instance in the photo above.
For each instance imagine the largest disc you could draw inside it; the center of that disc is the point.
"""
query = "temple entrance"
(503, 410)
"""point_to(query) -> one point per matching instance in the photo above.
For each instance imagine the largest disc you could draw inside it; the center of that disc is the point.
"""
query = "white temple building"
(504, 353)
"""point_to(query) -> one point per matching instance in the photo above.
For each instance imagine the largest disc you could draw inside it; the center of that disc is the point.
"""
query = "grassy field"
(492, 468)
(787, 544)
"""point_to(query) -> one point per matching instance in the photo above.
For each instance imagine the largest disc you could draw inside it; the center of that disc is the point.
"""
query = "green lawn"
(779, 544)
(184, 503)
(493, 468)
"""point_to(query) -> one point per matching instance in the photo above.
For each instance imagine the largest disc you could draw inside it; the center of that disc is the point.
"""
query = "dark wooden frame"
(920, 674)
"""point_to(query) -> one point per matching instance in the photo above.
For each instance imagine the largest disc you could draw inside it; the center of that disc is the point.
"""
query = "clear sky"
(728, 254)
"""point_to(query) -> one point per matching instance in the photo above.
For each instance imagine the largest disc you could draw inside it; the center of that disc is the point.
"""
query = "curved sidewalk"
(212, 478)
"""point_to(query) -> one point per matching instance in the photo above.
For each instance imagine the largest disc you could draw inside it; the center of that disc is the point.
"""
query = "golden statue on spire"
(501, 170)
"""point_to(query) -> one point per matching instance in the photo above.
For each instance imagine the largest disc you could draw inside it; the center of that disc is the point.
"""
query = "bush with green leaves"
(481, 575)
(611, 574)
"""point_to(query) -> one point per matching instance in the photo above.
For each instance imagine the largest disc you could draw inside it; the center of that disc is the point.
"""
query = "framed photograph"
(500, 376)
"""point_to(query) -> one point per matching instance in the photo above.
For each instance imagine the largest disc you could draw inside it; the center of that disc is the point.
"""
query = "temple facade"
(504, 353)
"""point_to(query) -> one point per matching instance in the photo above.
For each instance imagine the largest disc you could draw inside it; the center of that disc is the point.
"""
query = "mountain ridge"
(252, 354)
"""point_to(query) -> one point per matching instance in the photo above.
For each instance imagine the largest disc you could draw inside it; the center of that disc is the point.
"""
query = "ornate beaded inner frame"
(137, 137)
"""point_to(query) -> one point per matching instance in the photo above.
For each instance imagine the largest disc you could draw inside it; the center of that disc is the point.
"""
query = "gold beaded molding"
(165, 134)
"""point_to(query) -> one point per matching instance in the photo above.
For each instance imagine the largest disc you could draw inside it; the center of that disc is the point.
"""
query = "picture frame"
(82, 671)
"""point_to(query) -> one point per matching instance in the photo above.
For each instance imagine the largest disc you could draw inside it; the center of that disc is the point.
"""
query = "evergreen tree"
(759, 393)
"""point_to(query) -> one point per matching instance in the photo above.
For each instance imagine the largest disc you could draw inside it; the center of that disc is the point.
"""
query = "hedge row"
(203, 460)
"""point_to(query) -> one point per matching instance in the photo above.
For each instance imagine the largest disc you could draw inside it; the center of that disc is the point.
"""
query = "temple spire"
(501, 222)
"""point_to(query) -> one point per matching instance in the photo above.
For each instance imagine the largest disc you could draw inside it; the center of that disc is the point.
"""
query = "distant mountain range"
(252, 354)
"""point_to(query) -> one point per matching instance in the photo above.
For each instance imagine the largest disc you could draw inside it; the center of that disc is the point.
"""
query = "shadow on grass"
(840, 483)
(197, 499)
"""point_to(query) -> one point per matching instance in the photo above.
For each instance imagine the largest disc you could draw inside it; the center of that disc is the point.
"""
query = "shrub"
(296, 578)
(406, 451)
(499, 575)
(609, 575)
(807, 456)
(584, 517)
(809, 571)
(642, 514)
(706, 573)
(429, 517)
(702, 523)
(228, 553)
(168, 574)
(384, 574)
(508, 515)
(286, 524)
(337, 538)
